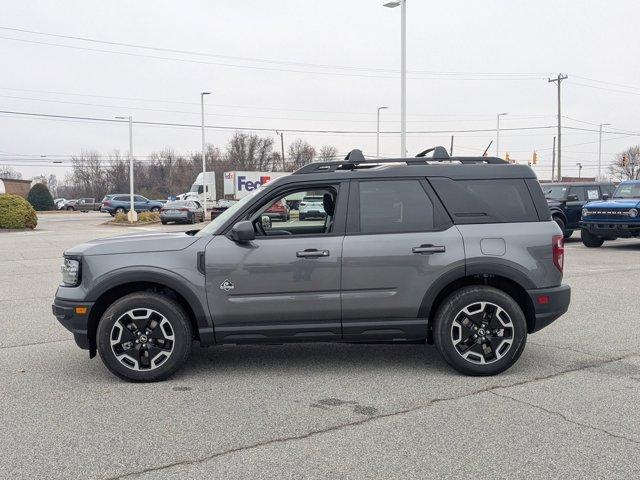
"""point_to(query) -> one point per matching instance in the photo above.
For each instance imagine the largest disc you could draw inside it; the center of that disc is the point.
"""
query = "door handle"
(312, 253)
(429, 249)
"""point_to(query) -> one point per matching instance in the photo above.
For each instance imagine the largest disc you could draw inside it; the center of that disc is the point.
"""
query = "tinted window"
(138, 198)
(486, 201)
(557, 192)
(581, 192)
(122, 198)
(394, 206)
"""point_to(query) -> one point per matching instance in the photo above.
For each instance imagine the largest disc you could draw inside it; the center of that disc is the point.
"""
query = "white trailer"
(239, 184)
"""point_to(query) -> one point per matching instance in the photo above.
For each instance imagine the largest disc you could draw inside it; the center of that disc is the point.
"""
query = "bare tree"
(9, 172)
(249, 152)
(300, 153)
(626, 165)
(328, 153)
(88, 174)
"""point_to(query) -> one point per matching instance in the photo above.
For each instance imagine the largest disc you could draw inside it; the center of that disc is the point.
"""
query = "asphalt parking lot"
(569, 408)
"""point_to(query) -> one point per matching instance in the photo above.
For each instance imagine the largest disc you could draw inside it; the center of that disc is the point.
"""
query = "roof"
(576, 184)
(14, 180)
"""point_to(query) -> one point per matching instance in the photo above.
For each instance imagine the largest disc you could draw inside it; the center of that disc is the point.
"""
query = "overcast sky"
(318, 65)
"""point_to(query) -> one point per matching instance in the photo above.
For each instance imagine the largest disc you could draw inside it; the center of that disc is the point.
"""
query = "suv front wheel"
(480, 330)
(144, 337)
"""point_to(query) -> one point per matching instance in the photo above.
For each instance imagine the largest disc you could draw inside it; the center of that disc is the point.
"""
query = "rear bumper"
(612, 229)
(549, 304)
(64, 311)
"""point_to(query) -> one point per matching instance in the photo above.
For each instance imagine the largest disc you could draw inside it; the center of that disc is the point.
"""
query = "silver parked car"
(182, 211)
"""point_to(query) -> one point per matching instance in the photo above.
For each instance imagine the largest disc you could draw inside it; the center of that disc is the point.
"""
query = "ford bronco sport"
(461, 252)
(612, 218)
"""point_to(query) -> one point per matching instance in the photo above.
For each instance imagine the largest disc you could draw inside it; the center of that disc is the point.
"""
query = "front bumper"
(604, 228)
(65, 312)
(549, 304)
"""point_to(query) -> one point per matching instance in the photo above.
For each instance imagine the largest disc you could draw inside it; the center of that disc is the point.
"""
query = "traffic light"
(625, 161)
(534, 160)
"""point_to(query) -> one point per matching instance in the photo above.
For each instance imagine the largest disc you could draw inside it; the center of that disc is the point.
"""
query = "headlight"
(585, 212)
(70, 269)
(633, 213)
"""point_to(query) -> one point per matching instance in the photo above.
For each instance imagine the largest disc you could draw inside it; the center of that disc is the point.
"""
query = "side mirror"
(605, 196)
(266, 221)
(572, 198)
(243, 232)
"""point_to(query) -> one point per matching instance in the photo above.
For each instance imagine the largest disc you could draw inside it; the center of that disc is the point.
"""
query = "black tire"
(192, 218)
(119, 210)
(164, 222)
(451, 311)
(562, 226)
(590, 240)
(70, 209)
(179, 326)
(567, 234)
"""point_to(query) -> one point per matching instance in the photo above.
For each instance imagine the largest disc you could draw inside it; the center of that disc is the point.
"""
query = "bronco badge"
(226, 285)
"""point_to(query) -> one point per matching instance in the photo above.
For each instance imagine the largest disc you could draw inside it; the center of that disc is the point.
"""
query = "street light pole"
(204, 159)
(403, 72)
(132, 215)
(378, 132)
(600, 149)
(498, 133)
(579, 169)
(281, 134)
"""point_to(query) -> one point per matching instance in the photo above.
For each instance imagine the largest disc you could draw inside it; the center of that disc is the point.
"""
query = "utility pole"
(559, 80)
(579, 165)
(378, 131)
(132, 215)
(498, 133)
(284, 168)
(600, 150)
(204, 158)
(553, 159)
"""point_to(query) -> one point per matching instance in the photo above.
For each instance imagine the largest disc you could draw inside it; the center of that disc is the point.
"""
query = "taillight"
(183, 209)
(558, 251)
(106, 202)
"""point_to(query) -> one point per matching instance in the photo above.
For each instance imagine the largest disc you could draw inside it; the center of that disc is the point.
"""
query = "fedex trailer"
(239, 184)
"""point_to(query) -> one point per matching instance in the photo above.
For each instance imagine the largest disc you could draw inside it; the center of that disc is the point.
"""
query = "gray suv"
(461, 252)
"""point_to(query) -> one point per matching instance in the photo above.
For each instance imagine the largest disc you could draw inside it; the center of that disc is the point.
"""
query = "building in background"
(15, 187)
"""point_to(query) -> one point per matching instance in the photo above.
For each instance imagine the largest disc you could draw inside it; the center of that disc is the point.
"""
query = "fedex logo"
(248, 185)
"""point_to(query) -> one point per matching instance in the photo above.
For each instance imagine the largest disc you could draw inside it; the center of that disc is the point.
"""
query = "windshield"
(627, 190)
(556, 192)
(226, 215)
(195, 187)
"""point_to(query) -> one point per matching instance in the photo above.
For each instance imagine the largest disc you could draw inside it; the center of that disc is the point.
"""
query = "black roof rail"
(355, 157)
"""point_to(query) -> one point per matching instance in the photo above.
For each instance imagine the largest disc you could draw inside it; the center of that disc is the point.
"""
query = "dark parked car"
(415, 250)
(120, 203)
(566, 200)
(182, 211)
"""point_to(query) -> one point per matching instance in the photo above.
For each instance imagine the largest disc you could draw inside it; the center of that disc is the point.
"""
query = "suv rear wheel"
(480, 330)
(590, 240)
(144, 337)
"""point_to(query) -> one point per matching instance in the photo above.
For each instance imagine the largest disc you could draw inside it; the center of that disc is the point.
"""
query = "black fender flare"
(471, 269)
(557, 212)
(165, 278)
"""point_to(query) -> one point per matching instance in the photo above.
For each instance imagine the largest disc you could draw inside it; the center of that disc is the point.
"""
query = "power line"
(291, 130)
(260, 60)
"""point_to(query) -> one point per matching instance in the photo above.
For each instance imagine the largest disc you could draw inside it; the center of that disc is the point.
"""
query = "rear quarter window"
(486, 200)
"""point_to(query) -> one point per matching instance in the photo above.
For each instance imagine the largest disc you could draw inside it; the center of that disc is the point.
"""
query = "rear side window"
(394, 206)
(486, 201)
